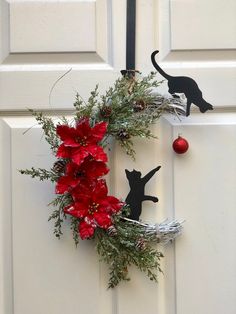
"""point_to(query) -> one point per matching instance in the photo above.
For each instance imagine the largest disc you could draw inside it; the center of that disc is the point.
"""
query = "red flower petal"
(65, 183)
(71, 168)
(82, 209)
(67, 135)
(95, 169)
(79, 154)
(103, 220)
(70, 209)
(83, 128)
(97, 152)
(78, 210)
(99, 191)
(83, 191)
(63, 151)
(85, 230)
(98, 132)
(112, 204)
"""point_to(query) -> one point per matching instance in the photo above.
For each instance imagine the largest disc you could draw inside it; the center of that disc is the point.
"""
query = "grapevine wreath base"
(124, 112)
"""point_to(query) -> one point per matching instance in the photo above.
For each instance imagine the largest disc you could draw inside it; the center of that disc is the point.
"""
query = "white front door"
(39, 42)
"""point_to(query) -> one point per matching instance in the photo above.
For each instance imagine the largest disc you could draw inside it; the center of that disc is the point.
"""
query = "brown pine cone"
(139, 105)
(105, 111)
(141, 244)
(123, 134)
(112, 231)
(59, 166)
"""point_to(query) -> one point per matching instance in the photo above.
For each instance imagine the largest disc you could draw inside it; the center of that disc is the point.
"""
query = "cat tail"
(156, 66)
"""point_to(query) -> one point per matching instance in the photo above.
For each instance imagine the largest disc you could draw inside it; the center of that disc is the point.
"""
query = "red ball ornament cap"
(180, 145)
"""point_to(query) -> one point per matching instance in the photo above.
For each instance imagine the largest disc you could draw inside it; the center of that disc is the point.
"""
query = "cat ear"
(127, 171)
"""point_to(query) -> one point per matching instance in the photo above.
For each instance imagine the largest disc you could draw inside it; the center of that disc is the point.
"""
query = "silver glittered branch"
(169, 104)
(162, 233)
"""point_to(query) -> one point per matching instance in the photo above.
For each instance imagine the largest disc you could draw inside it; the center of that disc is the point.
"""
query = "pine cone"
(59, 166)
(105, 111)
(112, 231)
(141, 244)
(139, 105)
(123, 134)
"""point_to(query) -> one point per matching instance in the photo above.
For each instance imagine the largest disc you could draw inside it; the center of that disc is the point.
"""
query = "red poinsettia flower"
(96, 193)
(89, 170)
(92, 204)
(82, 141)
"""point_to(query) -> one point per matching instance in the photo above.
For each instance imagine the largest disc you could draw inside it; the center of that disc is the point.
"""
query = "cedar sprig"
(58, 215)
(89, 108)
(120, 251)
(49, 129)
(74, 228)
(40, 173)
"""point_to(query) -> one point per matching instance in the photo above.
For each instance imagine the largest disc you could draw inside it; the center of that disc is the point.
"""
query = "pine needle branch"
(49, 129)
(40, 173)
(60, 202)
(123, 249)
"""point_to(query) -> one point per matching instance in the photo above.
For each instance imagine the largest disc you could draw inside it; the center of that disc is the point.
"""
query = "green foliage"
(49, 129)
(129, 246)
(87, 109)
(40, 173)
(74, 228)
(60, 202)
(121, 100)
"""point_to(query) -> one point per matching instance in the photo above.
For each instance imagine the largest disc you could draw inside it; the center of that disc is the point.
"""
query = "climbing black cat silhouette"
(137, 195)
(186, 85)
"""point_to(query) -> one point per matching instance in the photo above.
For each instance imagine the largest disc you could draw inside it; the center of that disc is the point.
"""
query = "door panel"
(41, 274)
(51, 26)
(189, 30)
(78, 35)
(204, 185)
(190, 44)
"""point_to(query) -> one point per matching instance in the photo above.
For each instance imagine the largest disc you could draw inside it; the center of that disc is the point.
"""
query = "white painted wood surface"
(196, 24)
(52, 27)
(34, 74)
(41, 275)
(204, 185)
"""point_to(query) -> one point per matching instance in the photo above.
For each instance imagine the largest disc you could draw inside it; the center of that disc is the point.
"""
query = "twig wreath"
(124, 112)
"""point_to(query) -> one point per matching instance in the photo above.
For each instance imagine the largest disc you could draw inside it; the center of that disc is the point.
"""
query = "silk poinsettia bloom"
(82, 141)
(89, 170)
(93, 205)
(95, 196)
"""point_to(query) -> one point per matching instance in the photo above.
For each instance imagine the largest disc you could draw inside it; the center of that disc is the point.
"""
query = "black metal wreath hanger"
(130, 38)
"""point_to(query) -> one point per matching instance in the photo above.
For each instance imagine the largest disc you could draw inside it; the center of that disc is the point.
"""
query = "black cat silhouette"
(186, 85)
(136, 195)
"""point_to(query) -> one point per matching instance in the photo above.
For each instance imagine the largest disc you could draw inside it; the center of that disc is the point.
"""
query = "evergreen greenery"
(123, 249)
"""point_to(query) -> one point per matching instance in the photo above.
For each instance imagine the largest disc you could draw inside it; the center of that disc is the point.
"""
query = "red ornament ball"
(180, 145)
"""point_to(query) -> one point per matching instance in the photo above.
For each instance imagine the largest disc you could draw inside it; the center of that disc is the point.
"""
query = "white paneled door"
(39, 42)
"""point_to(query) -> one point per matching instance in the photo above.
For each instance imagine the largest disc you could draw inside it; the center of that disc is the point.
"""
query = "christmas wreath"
(125, 111)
